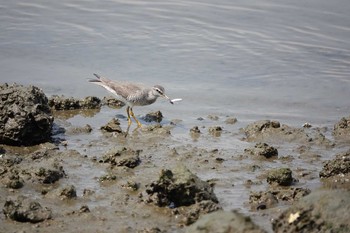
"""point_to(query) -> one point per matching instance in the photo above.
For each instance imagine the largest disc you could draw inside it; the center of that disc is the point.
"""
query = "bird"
(131, 94)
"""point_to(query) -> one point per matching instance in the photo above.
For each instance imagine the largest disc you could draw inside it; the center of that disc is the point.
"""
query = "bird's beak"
(166, 97)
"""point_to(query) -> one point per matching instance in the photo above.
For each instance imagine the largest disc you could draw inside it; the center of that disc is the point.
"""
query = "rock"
(153, 117)
(69, 103)
(112, 102)
(262, 200)
(195, 130)
(267, 130)
(13, 180)
(25, 116)
(2, 150)
(231, 120)
(224, 222)
(215, 131)
(131, 185)
(213, 117)
(84, 209)
(50, 176)
(112, 126)
(157, 129)
(273, 131)
(321, 211)
(338, 166)
(79, 130)
(262, 150)
(267, 199)
(193, 212)
(68, 192)
(122, 157)
(342, 128)
(179, 187)
(152, 230)
(281, 176)
(25, 210)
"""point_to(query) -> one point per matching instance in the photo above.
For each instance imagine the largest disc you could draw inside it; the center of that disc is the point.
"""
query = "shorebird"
(132, 94)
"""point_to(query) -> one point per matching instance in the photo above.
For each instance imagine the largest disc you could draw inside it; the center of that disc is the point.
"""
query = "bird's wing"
(121, 88)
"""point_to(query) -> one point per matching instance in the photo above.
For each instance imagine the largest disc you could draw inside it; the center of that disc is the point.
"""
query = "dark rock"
(69, 103)
(338, 166)
(108, 177)
(25, 116)
(262, 200)
(262, 150)
(50, 176)
(84, 209)
(112, 102)
(131, 185)
(68, 192)
(10, 160)
(195, 129)
(179, 187)
(224, 222)
(152, 230)
(112, 126)
(267, 130)
(321, 211)
(153, 117)
(25, 210)
(215, 131)
(122, 157)
(273, 131)
(13, 180)
(342, 128)
(271, 197)
(193, 212)
(281, 176)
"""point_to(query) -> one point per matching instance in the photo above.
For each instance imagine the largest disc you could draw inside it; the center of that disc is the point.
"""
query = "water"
(253, 60)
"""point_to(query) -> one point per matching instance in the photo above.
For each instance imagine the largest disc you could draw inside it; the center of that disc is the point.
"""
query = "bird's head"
(158, 91)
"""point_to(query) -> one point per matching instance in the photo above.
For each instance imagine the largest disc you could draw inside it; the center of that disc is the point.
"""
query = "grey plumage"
(131, 94)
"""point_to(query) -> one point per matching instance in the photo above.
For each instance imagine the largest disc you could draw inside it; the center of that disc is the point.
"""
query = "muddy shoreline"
(90, 175)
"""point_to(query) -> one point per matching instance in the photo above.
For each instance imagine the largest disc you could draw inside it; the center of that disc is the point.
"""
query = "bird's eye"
(159, 91)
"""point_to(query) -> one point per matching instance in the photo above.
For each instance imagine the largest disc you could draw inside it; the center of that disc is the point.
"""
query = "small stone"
(281, 176)
(112, 126)
(153, 117)
(84, 209)
(213, 117)
(262, 150)
(195, 129)
(231, 120)
(25, 210)
(69, 192)
(179, 187)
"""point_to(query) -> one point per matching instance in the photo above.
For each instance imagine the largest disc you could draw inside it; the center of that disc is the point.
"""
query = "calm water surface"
(252, 59)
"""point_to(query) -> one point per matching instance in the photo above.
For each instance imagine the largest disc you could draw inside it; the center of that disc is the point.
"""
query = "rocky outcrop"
(25, 116)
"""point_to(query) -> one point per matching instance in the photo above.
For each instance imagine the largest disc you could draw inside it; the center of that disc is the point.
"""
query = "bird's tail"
(98, 80)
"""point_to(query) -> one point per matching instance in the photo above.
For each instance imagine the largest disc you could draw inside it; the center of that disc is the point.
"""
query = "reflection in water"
(67, 114)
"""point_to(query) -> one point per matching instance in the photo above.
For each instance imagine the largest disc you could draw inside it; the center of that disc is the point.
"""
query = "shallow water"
(253, 60)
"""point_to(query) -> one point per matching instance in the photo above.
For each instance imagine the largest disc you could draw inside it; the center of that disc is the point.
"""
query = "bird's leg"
(129, 119)
(133, 116)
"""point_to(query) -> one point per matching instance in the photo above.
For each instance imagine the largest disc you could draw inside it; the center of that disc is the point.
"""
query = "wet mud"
(93, 174)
